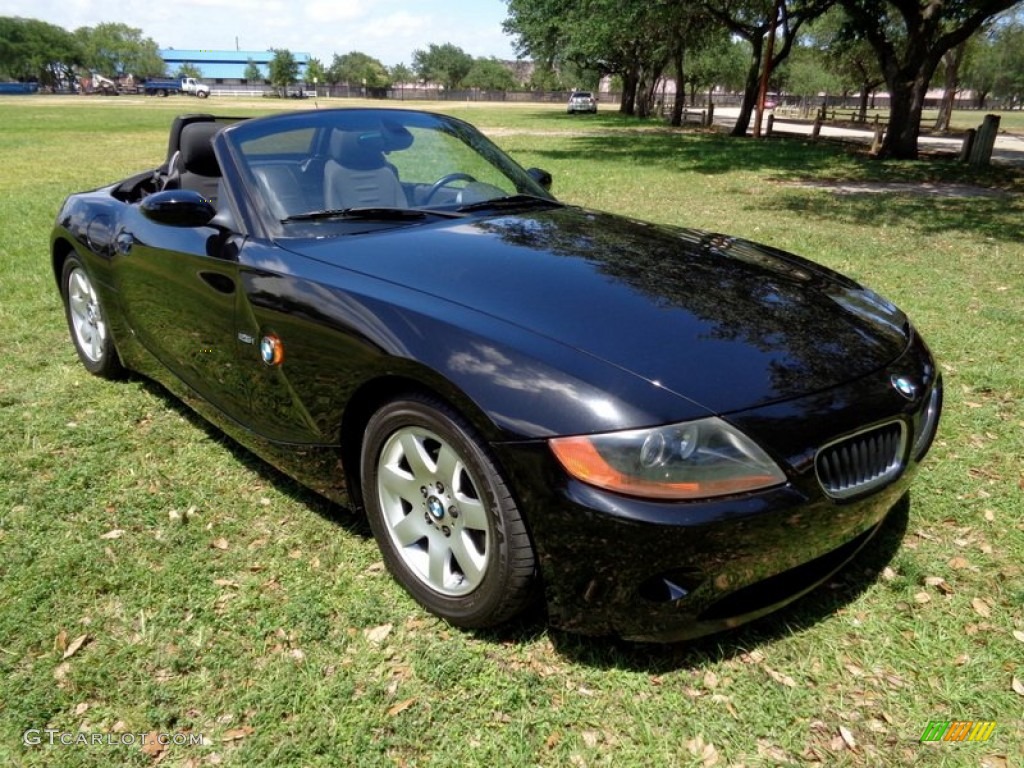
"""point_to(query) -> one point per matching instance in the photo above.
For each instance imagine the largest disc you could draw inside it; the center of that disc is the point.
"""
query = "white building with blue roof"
(225, 67)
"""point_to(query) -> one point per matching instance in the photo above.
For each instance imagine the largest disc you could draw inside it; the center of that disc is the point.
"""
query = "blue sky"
(389, 30)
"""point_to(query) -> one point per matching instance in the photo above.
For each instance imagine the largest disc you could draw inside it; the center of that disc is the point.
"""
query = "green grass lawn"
(265, 623)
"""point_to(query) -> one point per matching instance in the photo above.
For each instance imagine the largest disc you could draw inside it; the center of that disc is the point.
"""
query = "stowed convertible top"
(142, 184)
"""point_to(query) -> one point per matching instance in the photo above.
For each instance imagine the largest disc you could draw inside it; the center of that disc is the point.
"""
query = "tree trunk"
(677, 106)
(646, 89)
(908, 86)
(630, 79)
(862, 110)
(749, 90)
(645, 95)
(952, 59)
(906, 103)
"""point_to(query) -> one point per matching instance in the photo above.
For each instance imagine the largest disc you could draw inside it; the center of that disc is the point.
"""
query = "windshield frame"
(323, 123)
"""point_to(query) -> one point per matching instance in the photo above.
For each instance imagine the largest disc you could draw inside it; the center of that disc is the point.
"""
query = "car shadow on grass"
(821, 604)
(329, 510)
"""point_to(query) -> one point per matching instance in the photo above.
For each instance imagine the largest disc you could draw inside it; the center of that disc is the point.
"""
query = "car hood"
(724, 322)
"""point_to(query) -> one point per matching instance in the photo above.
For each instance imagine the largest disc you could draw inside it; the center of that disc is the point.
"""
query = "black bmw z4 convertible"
(661, 432)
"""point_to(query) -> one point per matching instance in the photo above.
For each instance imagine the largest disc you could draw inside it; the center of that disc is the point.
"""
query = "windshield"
(338, 171)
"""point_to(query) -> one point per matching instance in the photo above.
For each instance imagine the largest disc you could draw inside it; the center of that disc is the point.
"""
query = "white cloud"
(389, 30)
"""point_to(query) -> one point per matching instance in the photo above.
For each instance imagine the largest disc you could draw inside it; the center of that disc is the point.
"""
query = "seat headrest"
(197, 154)
(179, 122)
(362, 147)
(357, 150)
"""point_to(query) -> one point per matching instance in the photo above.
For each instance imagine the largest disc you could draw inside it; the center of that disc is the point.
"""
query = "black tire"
(161, 92)
(87, 321)
(202, 94)
(447, 526)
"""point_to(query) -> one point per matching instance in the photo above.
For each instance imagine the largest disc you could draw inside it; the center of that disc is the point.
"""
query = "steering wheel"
(443, 182)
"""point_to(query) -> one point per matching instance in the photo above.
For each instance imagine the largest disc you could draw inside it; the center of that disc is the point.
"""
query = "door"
(178, 287)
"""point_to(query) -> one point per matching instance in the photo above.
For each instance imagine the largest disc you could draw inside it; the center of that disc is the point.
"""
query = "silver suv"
(581, 101)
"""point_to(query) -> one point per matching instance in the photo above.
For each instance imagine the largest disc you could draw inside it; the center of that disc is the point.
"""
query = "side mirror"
(178, 208)
(541, 177)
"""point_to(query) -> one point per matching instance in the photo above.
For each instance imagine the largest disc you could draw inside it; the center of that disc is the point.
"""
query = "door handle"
(217, 281)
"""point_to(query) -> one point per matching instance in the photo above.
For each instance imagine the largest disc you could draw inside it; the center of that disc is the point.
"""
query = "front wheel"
(87, 322)
(447, 526)
(202, 94)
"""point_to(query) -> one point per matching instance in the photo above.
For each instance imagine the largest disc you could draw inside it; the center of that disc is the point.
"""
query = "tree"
(909, 38)
(572, 75)
(36, 50)
(489, 75)
(806, 74)
(283, 69)
(952, 60)
(252, 72)
(544, 78)
(722, 62)
(360, 69)
(1009, 84)
(316, 72)
(618, 37)
(850, 60)
(855, 62)
(995, 63)
(115, 49)
(752, 20)
(189, 69)
(401, 74)
(445, 64)
(691, 30)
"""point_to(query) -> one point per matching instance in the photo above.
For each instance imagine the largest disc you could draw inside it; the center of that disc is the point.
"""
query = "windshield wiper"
(374, 213)
(509, 201)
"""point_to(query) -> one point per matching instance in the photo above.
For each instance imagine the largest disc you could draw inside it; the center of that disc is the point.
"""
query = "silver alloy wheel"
(433, 510)
(87, 321)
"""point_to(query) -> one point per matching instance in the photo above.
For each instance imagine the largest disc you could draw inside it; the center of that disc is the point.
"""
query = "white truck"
(187, 85)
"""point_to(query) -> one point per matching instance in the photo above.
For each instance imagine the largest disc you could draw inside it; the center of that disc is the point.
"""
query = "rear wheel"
(444, 520)
(87, 321)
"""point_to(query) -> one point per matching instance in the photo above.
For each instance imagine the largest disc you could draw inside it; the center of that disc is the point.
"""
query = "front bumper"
(662, 571)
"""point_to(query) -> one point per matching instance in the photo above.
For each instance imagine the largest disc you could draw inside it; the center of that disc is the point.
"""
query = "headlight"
(695, 460)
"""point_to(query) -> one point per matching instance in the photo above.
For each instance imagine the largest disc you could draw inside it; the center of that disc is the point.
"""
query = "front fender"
(526, 386)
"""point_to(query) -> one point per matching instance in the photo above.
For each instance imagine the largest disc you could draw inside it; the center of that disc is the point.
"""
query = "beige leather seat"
(282, 190)
(357, 174)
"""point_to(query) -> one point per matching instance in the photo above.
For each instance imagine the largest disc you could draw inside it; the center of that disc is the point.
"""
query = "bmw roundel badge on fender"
(271, 350)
